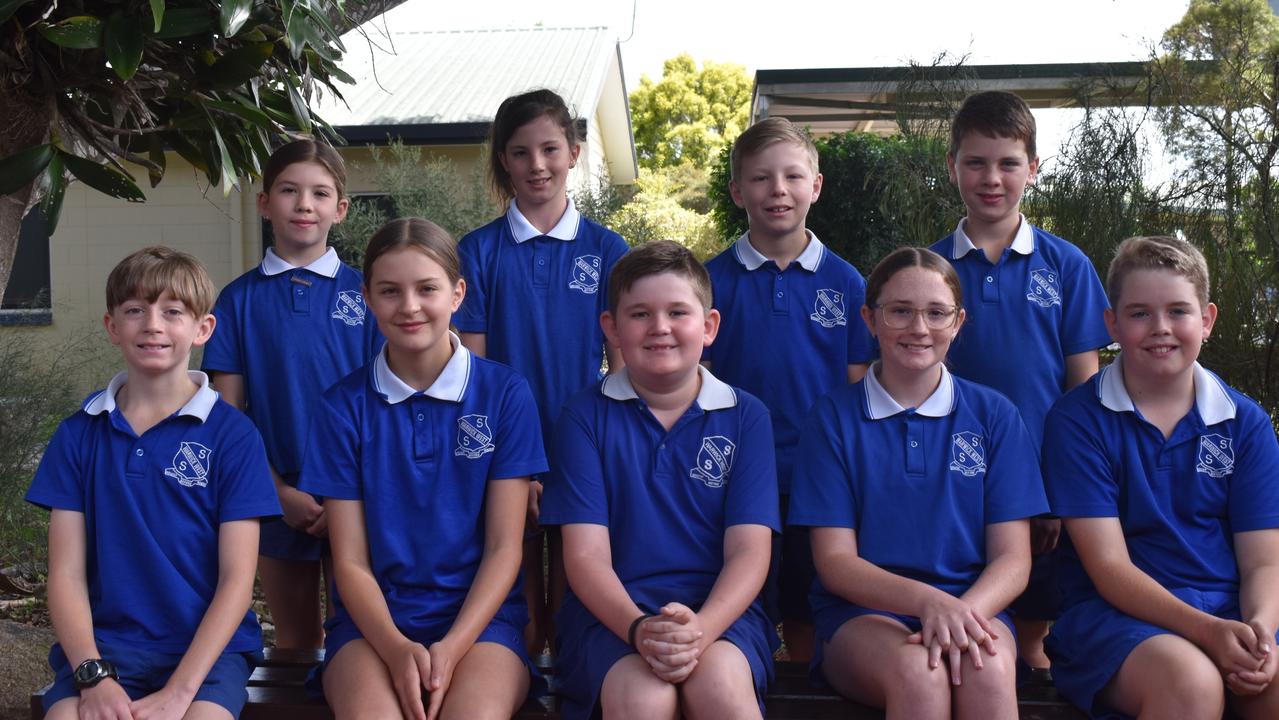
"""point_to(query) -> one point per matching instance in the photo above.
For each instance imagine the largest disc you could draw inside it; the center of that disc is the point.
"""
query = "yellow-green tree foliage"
(689, 115)
(655, 213)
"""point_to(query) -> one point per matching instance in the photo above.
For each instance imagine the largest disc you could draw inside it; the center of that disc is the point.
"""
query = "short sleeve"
(1254, 494)
(472, 316)
(861, 346)
(614, 248)
(332, 467)
(59, 480)
(1014, 488)
(518, 440)
(245, 488)
(1083, 325)
(575, 493)
(222, 351)
(821, 493)
(752, 489)
(1077, 468)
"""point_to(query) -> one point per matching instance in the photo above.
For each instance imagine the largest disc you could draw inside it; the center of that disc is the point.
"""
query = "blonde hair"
(419, 234)
(1158, 252)
(768, 132)
(149, 272)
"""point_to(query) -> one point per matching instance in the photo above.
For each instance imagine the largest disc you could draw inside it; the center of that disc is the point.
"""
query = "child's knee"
(911, 676)
(631, 690)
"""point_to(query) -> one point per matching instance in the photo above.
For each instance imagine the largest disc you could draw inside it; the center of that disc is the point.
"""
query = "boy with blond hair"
(790, 332)
(1034, 303)
(1165, 477)
(155, 488)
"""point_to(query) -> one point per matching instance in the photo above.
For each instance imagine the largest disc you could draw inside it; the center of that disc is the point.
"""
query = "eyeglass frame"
(952, 312)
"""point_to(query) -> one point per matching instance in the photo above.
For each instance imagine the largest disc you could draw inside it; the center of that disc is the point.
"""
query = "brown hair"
(995, 114)
(767, 132)
(514, 113)
(419, 234)
(908, 257)
(655, 258)
(300, 151)
(1158, 252)
(147, 273)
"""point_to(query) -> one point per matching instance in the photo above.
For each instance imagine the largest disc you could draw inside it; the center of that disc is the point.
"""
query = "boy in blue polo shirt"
(155, 489)
(1165, 477)
(1034, 303)
(790, 331)
(664, 485)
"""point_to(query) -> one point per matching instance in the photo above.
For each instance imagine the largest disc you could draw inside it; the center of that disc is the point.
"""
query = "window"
(26, 299)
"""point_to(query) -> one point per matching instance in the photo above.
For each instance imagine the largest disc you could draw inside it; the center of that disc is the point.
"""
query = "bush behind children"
(416, 459)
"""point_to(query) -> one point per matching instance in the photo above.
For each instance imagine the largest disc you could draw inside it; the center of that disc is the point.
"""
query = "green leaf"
(234, 15)
(9, 7)
(300, 111)
(55, 181)
(157, 14)
(157, 156)
(187, 150)
(228, 179)
(23, 166)
(238, 66)
(82, 32)
(123, 39)
(184, 22)
(243, 111)
(103, 178)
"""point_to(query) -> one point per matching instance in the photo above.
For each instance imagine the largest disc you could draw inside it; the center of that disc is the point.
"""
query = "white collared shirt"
(199, 406)
(327, 265)
(714, 394)
(1023, 241)
(1211, 398)
(750, 258)
(450, 385)
(523, 230)
(881, 405)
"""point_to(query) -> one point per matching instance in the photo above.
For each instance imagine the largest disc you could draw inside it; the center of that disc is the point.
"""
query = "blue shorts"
(1091, 640)
(585, 651)
(829, 620)
(790, 574)
(506, 629)
(143, 672)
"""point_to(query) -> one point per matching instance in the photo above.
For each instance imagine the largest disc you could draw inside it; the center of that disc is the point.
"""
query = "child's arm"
(1257, 553)
(301, 511)
(237, 565)
(476, 342)
(1080, 367)
(504, 504)
(68, 597)
(1103, 551)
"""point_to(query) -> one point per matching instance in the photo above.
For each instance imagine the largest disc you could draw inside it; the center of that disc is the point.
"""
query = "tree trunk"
(25, 121)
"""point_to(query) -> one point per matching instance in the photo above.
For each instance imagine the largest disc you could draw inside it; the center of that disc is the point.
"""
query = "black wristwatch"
(92, 672)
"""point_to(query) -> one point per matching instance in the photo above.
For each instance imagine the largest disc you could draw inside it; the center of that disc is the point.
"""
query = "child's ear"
(1033, 167)
(459, 293)
(735, 192)
(576, 149)
(1210, 318)
(950, 168)
(1109, 318)
(108, 323)
(817, 187)
(204, 330)
(262, 200)
(868, 317)
(711, 328)
(344, 204)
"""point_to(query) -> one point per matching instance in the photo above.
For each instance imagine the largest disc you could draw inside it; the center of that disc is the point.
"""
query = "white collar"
(326, 265)
(523, 230)
(1214, 403)
(715, 394)
(750, 258)
(881, 405)
(199, 406)
(1023, 241)
(450, 385)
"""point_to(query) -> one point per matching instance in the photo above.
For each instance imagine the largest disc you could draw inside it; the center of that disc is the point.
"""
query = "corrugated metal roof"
(461, 76)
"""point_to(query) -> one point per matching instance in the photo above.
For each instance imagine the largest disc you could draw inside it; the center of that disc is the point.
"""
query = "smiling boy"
(155, 487)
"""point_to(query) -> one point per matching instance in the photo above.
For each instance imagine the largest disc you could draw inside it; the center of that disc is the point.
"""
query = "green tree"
(87, 86)
(689, 115)
(655, 213)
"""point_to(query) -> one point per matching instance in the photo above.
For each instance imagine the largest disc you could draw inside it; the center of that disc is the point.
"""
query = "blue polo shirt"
(421, 462)
(918, 485)
(1180, 500)
(152, 508)
(291, 333)
(538, 298)
(666, 497)
(787, 337)
(1026, 313)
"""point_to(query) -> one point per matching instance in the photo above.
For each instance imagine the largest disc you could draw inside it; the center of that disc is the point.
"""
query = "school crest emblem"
(190, 465)
(967, 456)
(350, 308)
(586, 273)
(828, 311)
(1044, 290)
(714, 461)
(474, 437)
(1216, 456)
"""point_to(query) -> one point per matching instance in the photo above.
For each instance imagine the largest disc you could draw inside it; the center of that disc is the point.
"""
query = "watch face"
(91, 672)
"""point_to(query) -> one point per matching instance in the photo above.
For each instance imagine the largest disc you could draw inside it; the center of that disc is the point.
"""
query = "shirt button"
(780, 293)
(138, 452)
(420, 417)
(299, 291)
(662, 446)
(990, 278)
(914, 443)
(541, 261)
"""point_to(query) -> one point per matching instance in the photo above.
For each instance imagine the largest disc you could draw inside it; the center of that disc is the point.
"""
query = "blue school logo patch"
(474, 437)
(828, 310)
(714, 461)
(586, 273)
(190, 465)
(1044, 290)
(1216, 456)
(350, 308)
(967, 457)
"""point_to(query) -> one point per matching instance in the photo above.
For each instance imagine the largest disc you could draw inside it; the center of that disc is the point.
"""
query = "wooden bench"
(276, 692)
